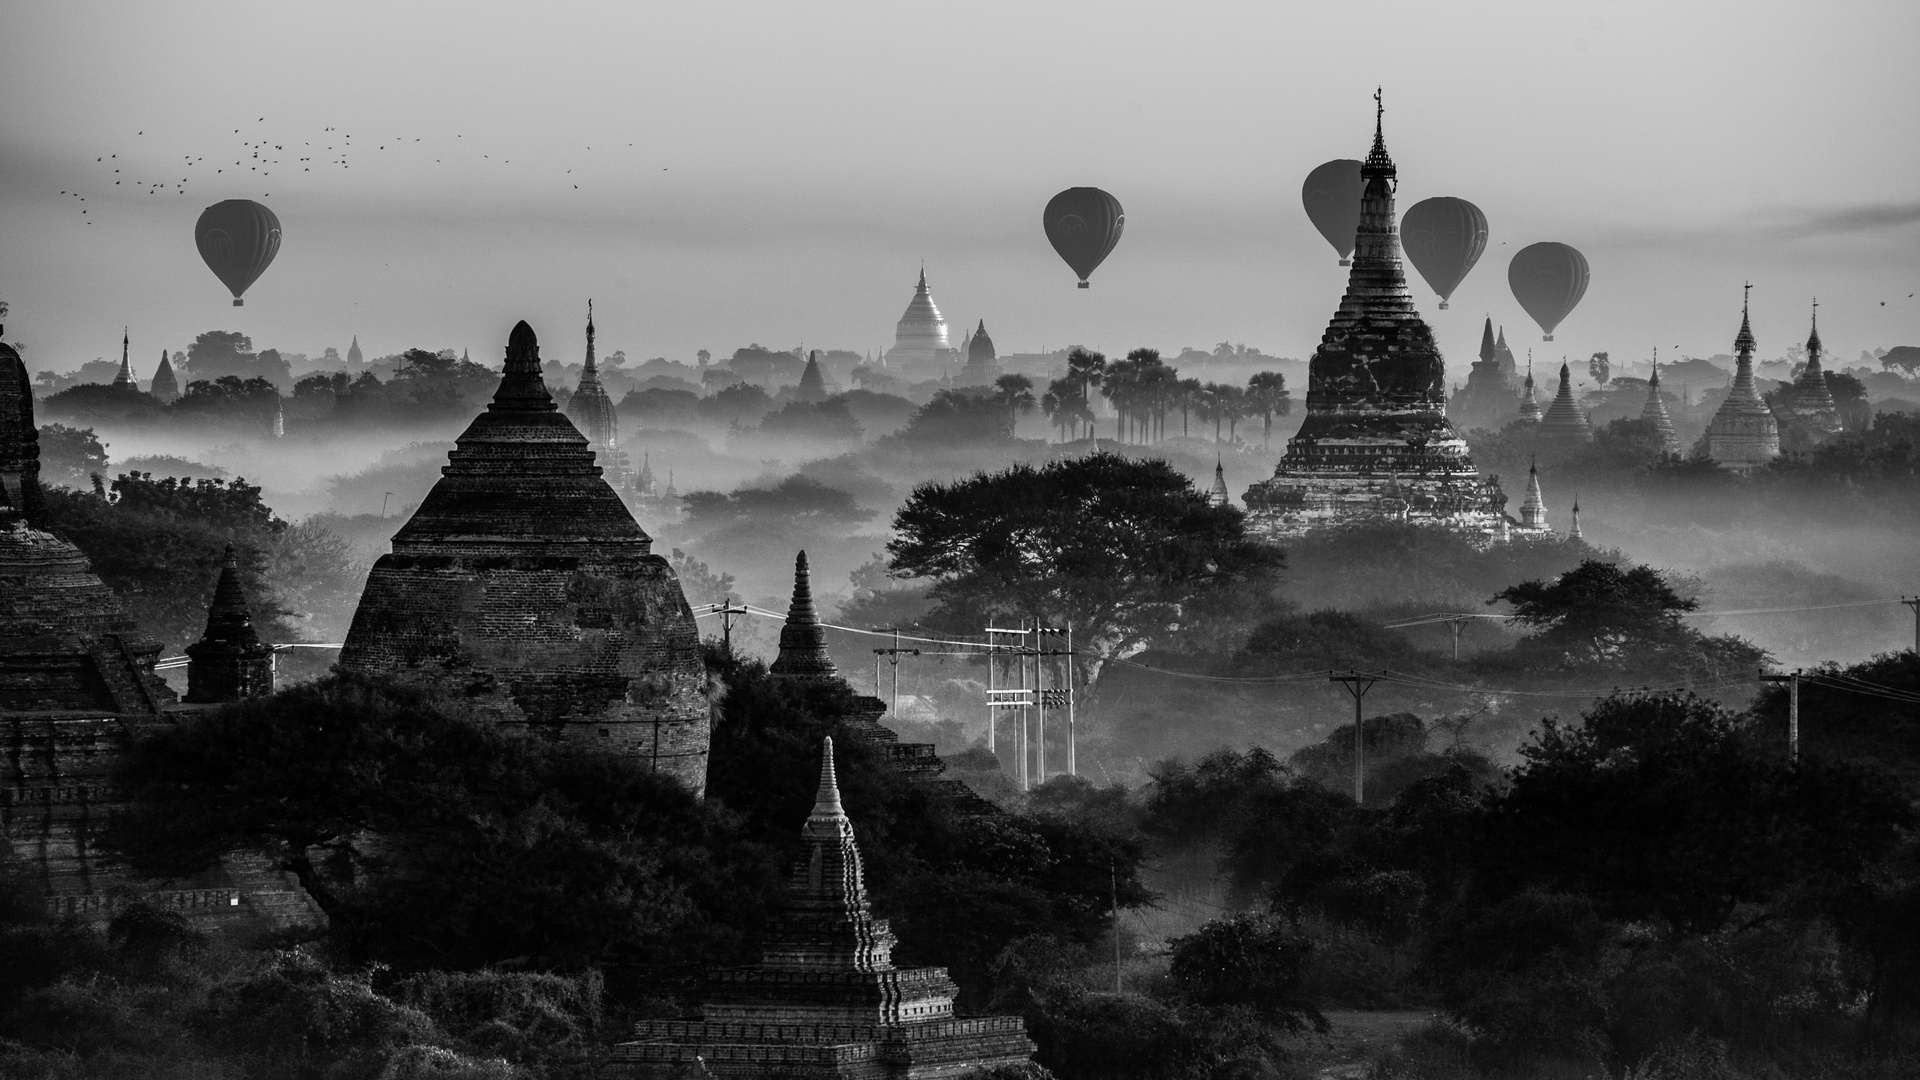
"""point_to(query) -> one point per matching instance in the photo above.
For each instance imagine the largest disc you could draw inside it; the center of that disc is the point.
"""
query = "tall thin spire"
(1573, 533)
(1529, 403)
(826, 800)
(1218, 496)
(1655, 410)
(1487, 351)
(590, 364)
(124, 379)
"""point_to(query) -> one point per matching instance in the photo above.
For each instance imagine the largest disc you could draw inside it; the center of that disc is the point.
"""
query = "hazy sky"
(777, 172)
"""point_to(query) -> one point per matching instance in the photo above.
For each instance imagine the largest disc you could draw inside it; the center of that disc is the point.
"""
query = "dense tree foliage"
(1125, 549)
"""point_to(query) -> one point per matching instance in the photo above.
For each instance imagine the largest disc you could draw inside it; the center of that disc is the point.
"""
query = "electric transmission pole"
(1357, 683)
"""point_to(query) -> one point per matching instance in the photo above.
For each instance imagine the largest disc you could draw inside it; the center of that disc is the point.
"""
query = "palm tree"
(1015, 392)
(1187, 395)
(1267, 395)
(1233, 406)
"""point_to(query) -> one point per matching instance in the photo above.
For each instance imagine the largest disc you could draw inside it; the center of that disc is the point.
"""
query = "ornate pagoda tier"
(825, 1000)
(523, 585)
(1743, 434)
(1529, 399)
(1376, 442)
(920, 343)
(1565, 424)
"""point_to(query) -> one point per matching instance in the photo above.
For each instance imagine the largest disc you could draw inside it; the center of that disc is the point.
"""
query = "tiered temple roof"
(523, 583)
(920, 340)
(1489, 400)
(1376, 404)
(229, 662)
(1565, 423)
(803, 641)
(1743, 434)
(165, 389)
(825, 1000)
(1655, 412)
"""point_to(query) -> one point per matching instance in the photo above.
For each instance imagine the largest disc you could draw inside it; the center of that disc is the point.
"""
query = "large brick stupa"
(1376, 443)
(523, 585)
(825, 1001)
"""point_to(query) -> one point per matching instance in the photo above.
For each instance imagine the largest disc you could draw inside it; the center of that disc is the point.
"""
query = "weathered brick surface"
(524, 585)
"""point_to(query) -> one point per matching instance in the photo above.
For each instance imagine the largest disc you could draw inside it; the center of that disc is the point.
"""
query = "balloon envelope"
(238, 239)
(1443, 238)
(1083, 224)
(1548, 279)
(1332, 198)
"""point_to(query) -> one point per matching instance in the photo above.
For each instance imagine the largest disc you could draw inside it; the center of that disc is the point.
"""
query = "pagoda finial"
(826, 801)
(1378, 162)
(1743, 342)
(590, 361)
(1813, 336)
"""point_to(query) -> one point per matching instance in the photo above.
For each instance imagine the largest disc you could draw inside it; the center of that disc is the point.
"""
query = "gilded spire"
(1743, 343)
(1378, 163)
(1813, 336)
(124, 378)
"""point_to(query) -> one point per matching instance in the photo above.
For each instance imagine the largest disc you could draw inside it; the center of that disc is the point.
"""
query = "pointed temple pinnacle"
(826, 802)
(1813, 337)
(590, 364)
(1378, 162)
(803, 641)
(521, 387)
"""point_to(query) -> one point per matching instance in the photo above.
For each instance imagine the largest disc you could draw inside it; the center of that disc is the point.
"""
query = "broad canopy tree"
(1126, 550)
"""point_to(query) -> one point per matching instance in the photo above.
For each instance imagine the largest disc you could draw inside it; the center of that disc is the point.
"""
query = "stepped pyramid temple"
(920, 344)
(1743, 434)
(523, 583)
(1655, 412)
(1565, 424)
(983, 365)
(229, 662)
(77, 685)
(1490, 398)
(1376, 405)
(825, 1001)
(592, 413)
(165, 389)
(1813, 411)
(813, 381)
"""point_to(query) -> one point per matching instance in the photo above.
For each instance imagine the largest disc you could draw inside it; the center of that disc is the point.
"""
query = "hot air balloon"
(238, 238)
(1083, 224)
(1443, 238)
(1332, 197)
(1548, 279)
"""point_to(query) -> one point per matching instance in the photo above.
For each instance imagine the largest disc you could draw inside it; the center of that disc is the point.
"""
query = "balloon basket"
(1546, 337)
(1346, 262)
(237, 302)
(1443, 305)
(1084, 285)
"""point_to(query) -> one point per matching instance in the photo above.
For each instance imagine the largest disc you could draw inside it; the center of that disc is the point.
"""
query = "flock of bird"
(258, 157)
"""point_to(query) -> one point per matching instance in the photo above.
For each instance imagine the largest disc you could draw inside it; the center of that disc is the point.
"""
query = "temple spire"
(1574, 532)
(124, 378)
(803, 641)
(229, 662)
(826, 800)
(1218, 496)
(590, 363)
(1487, 350)
(521, 387)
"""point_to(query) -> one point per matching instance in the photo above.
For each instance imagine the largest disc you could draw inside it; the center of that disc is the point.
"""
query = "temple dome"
(920, 339)
(525, 585)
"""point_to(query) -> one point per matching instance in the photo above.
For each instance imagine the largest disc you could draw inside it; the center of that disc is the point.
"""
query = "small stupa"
(1573, 531)
(1743, 434)
(813, 382)
(803, 641)
(592, 411)
(1529, 400)
(1218, 496)
(1814, 410)
(1655, 411)
(825, 1001)
(1565, 423)
(229, 662)
(983, 364)
(123, 379)
(1533, 509)
(165, 389)
(524, 585)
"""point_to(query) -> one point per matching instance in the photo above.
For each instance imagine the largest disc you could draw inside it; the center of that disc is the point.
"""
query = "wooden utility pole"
(1009, 697)
(1357, 684)
(727, 612)
(893, 656)
(1793, 709)
(1113, 883)
(1914, 603)
(1456, 625)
